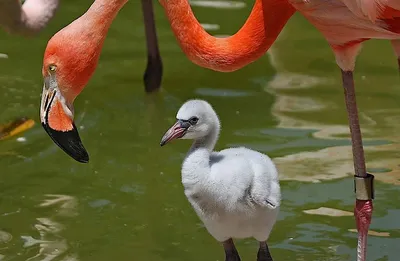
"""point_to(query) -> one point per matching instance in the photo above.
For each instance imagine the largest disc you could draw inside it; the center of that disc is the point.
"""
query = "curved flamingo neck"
(102, 12)
(259, 32)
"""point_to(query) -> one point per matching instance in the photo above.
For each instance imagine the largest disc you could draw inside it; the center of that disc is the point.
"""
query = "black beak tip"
(83, 158)
(69, 142)
(162, 143)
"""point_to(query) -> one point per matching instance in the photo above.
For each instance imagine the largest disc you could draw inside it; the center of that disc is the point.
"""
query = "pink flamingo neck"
(96, 21)
(102, 12)
(259, 32)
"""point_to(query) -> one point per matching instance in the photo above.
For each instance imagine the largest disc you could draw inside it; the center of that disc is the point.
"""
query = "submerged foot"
(153, 74)
(231, 254)
(263, 253)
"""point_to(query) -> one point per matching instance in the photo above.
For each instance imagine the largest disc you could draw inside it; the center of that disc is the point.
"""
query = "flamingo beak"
(178, 130)
(56, 115)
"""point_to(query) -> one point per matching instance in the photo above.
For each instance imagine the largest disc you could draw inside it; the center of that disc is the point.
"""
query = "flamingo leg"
(363, 181)
(231, 254)
(153, 74)
(263, 252)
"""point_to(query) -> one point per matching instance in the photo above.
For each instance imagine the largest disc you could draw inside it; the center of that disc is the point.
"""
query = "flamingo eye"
(52, 68)
(193, 120)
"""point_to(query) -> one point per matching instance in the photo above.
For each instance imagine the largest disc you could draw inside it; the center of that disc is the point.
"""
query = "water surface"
(128, 202)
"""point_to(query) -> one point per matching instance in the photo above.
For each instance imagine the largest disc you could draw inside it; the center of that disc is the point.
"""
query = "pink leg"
(363, 209)
(153, 74)
(354, 124)
(363, 213)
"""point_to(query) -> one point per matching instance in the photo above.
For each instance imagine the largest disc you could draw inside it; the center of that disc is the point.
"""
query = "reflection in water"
(324, 164)
(52, 246)
(324, 211)
(291, 108)
(5, 237)
(67, 203)
(373, 233)
(328, 212)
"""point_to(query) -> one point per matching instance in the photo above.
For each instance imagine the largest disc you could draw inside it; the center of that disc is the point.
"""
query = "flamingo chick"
(235, 192)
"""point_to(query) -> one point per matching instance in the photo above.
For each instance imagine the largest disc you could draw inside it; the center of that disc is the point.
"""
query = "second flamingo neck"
(265, 22)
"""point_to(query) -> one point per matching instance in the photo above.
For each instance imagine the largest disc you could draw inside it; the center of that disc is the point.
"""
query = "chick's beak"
(56, 115)
(178, 130)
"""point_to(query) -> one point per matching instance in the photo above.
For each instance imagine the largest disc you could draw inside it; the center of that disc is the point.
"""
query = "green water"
(127, 203)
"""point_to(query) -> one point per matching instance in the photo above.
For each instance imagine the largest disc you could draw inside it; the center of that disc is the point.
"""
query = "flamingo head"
(70, 59)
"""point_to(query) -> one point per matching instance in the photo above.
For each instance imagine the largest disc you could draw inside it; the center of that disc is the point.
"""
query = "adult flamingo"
(345, 24)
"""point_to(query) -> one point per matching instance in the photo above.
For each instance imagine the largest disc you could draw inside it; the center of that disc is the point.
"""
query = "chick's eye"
(52, 68)
(193, 120)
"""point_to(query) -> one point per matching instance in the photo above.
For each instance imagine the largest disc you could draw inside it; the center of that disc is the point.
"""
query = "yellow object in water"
(15, 127)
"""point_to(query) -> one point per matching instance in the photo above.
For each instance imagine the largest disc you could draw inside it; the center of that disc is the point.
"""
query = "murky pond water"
(128, 202)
